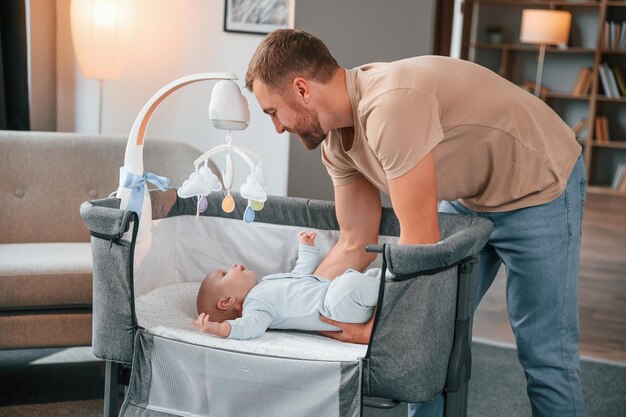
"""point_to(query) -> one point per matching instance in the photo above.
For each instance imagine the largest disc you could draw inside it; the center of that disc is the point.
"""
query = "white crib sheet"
(170, 310)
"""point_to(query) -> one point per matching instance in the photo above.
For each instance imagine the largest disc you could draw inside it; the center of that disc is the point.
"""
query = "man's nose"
(278, 126)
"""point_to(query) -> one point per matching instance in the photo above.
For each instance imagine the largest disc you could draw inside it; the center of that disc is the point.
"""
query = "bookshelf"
(491, 38)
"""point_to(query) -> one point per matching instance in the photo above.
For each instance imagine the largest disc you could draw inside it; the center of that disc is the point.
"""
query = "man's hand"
(307, 238)
(350, 332)
(204, 324)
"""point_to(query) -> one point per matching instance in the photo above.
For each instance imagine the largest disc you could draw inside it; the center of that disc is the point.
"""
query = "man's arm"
(358, 210)
(414, 200)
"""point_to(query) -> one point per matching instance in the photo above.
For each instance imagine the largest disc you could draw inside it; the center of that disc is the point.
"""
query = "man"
(435, 128)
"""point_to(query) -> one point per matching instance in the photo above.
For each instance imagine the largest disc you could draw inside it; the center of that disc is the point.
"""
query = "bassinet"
(420, 346)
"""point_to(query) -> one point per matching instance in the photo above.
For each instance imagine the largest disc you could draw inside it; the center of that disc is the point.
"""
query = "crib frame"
(114, 234)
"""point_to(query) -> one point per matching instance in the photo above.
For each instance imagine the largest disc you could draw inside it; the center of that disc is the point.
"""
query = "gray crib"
(420, 346)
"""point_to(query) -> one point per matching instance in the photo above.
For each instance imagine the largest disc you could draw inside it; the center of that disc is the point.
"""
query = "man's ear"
(302, 89)
(224, 303)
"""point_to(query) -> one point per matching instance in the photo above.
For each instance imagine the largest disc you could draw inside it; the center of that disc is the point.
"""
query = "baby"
(237, 305)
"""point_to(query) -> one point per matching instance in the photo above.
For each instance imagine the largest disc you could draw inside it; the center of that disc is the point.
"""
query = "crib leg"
(456, 402)
(460, 364)
(111, 389)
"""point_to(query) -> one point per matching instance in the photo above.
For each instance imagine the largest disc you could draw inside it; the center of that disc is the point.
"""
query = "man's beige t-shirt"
(496, 147)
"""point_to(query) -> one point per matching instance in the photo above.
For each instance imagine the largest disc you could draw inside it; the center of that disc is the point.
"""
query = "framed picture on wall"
(258, 16)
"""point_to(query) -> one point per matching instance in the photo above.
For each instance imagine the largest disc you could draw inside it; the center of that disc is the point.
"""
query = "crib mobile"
(203, 181)
(228, 110)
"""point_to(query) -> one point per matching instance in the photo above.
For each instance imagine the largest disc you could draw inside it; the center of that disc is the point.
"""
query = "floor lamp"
(101, 31)
(544, 27)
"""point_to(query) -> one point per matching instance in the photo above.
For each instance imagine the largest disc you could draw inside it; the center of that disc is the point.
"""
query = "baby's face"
(236, 281)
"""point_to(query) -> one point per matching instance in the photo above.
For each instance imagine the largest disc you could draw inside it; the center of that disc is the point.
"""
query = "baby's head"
(222, 292)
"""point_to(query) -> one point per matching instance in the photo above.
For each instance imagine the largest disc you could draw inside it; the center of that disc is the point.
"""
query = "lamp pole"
(101, 88)
(542, 54)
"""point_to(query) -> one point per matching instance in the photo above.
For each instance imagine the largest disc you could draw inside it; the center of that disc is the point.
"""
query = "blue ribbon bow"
(136, 184)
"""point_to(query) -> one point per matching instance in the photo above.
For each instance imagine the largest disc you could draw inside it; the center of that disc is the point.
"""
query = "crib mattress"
(169, 311)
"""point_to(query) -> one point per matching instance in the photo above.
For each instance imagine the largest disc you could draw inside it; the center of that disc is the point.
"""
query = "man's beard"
(308, 127)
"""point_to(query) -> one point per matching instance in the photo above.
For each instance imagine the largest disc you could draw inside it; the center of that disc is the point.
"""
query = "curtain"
(14, 112)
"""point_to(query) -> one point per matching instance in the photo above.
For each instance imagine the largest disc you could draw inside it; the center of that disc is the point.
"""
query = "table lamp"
(544, 27)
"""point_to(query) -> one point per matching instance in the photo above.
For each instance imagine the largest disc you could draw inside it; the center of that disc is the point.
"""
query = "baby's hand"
(204, 324)
(307, 238)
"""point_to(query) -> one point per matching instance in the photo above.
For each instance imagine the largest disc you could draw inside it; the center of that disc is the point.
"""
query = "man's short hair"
(287, 53)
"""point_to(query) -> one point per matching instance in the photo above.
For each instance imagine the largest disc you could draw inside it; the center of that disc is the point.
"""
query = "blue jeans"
(540, 248)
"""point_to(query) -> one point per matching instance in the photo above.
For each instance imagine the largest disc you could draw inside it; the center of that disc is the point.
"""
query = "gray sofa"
(45, 255)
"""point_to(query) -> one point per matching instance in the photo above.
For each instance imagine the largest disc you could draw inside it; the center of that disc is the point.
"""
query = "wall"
(357, 32)
(170, 42)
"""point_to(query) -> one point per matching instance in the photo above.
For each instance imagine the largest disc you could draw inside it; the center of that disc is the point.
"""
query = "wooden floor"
(602, 289)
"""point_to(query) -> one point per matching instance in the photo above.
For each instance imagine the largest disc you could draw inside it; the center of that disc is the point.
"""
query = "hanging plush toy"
(203, 181)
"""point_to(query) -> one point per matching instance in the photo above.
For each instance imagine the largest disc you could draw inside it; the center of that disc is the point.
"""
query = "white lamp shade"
(101, 33)
(228, 109)
(550, 27)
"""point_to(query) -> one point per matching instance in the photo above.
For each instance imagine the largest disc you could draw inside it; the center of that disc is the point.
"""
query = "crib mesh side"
(189, 380)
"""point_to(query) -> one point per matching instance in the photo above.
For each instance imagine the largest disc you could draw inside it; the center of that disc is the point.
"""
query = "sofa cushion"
(48, 329)
(45, 275)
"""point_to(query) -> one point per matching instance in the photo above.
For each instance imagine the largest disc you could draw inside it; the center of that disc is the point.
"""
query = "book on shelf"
(604, 80)
(612, 82)
(619, 179)
(583, 82)
(598, 130)
(604, 121)
(614, 35)
(602, 129)
(620, 79)
(609, 85)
